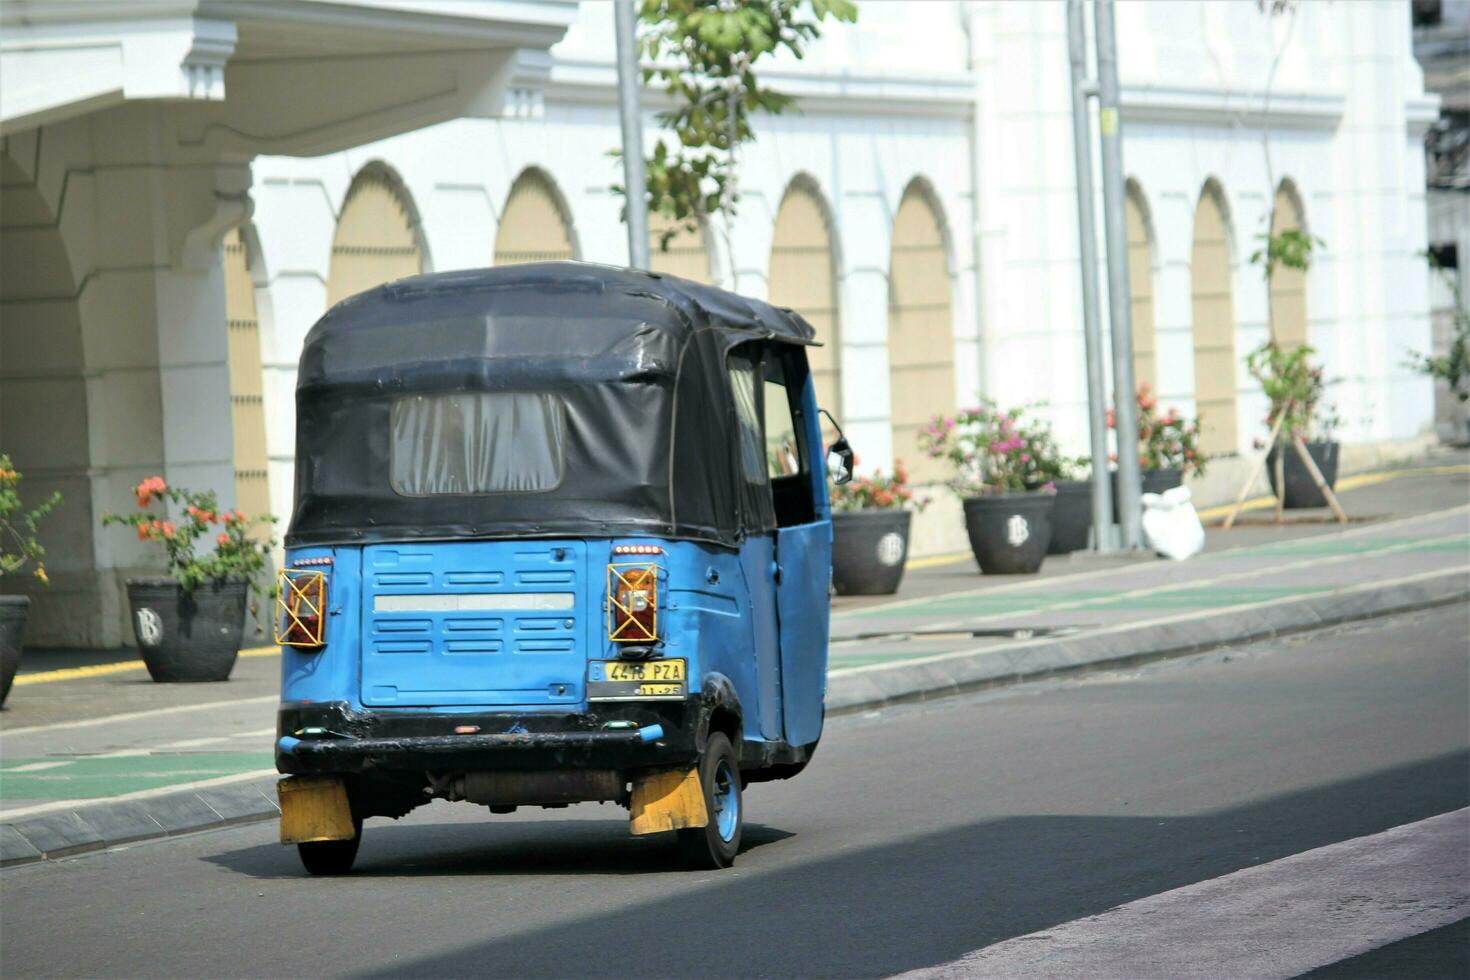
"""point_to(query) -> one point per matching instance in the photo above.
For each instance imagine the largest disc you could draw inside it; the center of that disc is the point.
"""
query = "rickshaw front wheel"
(716, 843)
(331, 857)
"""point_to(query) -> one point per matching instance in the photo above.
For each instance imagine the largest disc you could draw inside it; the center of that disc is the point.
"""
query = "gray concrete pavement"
(919, 834)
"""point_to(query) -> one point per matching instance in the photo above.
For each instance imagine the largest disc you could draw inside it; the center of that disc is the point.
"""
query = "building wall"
(969, 102)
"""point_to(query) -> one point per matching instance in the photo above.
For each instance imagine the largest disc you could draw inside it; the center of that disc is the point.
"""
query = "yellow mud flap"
(314, 808)
(667, 801)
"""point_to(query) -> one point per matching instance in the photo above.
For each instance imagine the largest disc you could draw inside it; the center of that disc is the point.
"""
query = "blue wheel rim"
(727, 801)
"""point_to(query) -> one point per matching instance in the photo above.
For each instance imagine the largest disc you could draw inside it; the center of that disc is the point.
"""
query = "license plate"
(648, 670)
(640, 680)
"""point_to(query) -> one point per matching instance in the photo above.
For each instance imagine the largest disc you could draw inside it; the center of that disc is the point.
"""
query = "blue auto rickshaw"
(561, 534)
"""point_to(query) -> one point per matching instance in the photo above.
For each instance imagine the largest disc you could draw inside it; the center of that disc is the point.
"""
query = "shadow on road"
(493, 848)
(873, 912)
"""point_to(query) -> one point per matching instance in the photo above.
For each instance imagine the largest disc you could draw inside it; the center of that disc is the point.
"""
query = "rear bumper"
(334, 738)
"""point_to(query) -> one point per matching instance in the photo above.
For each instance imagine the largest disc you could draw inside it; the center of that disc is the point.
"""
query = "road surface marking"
(1153, 590)
(1134, 625)
(1278, 919)
(102, 670)
(134, 715)
(80, 805)
(1054, 582)
(36, 766)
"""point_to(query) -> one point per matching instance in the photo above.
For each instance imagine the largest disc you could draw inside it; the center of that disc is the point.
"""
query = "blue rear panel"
(476, 623)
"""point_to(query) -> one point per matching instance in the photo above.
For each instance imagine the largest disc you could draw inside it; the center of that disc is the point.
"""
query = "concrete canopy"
(300, 77)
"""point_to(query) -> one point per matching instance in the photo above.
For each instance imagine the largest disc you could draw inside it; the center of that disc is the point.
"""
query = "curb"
(91, 826)
(862, 688)
(107, 823)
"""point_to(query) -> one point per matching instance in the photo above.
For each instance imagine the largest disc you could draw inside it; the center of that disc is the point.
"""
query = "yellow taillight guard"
(632, 607)
(301, 601)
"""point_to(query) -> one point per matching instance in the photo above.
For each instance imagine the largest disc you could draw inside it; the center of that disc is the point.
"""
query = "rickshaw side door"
(803, 540)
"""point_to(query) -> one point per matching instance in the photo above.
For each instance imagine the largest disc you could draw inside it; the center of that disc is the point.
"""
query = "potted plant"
(1071, 519)
(1453, 366)
(870, 532)
(1004, 467)
(1168, 446)
(1294, 386)
(18, 548)
(189, 624)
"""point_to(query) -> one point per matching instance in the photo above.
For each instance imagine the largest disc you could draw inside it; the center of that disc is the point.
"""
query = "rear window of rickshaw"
(476, 442)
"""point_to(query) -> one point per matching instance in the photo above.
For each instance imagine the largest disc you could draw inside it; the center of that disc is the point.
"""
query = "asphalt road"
(919, 834)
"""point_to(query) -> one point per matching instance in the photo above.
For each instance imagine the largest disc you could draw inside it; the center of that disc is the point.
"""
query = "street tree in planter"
(189, 625)
(1295, 386)
(1005, 467)
(870, 532)
(1168, 446)
(19, 547)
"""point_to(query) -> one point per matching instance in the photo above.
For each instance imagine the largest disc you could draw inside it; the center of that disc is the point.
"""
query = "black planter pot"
(868, 550)
(1071, 518)
(1301, 489)
(188, 636)
(1009, 532)
(14, 610)
(1150, 481)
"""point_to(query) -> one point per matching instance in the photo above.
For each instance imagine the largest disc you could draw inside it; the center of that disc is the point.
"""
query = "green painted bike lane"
(95, 777)
(1244, 576)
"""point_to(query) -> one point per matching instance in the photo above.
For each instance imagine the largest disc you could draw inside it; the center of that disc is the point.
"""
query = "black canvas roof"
(637, 360)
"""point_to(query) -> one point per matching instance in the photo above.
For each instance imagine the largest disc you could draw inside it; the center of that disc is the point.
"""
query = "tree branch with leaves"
(702, 54)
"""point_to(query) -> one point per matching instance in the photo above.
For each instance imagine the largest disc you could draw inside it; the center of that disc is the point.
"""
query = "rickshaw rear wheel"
(331, 857)
(716, 843)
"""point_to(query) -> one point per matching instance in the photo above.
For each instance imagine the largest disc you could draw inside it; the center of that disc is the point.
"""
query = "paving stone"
(14, 848)
(179, 813)
(58, 832)
(240, 802)
(118, 823)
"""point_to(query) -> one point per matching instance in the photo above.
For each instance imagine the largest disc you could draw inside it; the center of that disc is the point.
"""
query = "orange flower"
(223, 539)
(142, 532)
(168, 529)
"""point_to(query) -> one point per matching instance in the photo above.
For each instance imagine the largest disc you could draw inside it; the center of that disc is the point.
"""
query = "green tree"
(703, 54)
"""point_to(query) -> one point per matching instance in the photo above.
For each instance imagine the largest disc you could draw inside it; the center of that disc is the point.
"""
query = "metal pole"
(625, 21)
(1116, 231)
(1097, 382)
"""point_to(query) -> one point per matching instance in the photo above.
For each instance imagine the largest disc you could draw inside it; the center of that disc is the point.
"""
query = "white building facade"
(919, 208)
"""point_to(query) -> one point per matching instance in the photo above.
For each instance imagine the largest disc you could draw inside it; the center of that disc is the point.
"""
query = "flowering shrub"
(1295, 386)
(877, 492)
(236, 554)
(1167, 441)
(994, 451)
(18, 543)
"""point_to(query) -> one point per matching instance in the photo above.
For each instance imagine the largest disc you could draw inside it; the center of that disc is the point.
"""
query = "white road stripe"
(9, 816)
(1112, 572)
(134, 715)
(1134, 626)
(1279, 919)
(36, 766)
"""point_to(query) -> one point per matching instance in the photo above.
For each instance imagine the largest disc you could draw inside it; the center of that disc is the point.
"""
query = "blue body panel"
(476, 623)
(758, 564)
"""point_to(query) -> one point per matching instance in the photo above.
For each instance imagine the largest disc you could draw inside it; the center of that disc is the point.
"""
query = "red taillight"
(632, 609)
(301, 608)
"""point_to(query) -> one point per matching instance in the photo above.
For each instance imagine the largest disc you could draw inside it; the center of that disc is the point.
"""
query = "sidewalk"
(182, 757)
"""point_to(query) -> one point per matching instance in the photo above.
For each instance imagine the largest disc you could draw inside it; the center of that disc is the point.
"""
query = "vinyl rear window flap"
(476, 442)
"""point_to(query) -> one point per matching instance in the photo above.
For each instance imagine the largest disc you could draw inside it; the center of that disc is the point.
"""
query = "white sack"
(1170, 524)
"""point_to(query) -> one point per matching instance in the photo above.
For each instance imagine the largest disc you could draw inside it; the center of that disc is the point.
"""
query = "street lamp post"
(1125, 417)
(625, 20)
(1097, 381)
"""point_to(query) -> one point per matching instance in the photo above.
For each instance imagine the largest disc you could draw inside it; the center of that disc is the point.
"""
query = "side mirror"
(841, 466)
